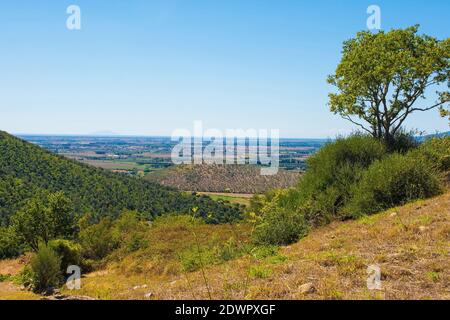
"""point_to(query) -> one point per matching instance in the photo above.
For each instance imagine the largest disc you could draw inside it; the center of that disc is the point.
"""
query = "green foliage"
(36, 221)
(27, 171)
(393, 181)
(348, 178)
(31, 223)
(201, 255)
(437, 150)
(61, 215)
(98, 240)
(45, 269)
(10, 245)
(5, 277)
(197, 257)
(68, 251)
(264, 251)
(326, 185)
(130, 230)
(280, 226)
(260, 272)
(383, 76)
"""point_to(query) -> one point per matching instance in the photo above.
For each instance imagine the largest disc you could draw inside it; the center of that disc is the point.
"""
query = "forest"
(27, 172)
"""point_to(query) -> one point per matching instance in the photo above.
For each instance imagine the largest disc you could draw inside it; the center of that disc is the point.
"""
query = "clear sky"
(148, 67)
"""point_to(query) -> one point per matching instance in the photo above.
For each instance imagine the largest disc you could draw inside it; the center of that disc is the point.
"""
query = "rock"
(50, 291)
(307, 288)
(67, 297)
(423, 228)
(140, 287)
(148, 295)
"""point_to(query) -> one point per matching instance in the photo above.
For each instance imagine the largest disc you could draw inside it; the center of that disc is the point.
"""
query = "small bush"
(45, 269)
(393, 181)
(196, 257)
(280, 227)
(68, 251)
(260, 272)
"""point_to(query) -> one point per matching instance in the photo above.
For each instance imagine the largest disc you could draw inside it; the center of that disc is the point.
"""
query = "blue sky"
(149, 67)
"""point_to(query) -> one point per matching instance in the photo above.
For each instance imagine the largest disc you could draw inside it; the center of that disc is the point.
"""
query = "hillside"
(223, 178)
(410, 245)
(28, 171)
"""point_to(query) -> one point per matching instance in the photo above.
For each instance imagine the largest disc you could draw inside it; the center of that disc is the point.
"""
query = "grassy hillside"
(223, 178)
(28, 171)
(409, 243)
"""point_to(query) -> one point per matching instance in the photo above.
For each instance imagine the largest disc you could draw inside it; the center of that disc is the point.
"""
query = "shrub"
(130, 230)
(260, 272)
(98, 240)
(325, 187)
(403, 142)
(280, 226)
(68, 251)
(393, 181)
(197, 257)
(264, 251)
(45, 268)
(436, 150)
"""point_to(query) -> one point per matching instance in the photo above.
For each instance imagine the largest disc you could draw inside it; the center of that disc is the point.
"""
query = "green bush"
(260, 272)
(393, 181)
(201, 255)
(436, 150)
(45, 269)
(325, 187)
(98, 240)
(280, 226)
(197, 257)
(68, 251)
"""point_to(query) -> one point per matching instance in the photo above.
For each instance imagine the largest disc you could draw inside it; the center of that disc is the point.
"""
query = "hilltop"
(223, 178)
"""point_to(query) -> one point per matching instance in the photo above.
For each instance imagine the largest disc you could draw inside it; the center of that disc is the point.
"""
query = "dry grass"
(410, 244)
(10, 290)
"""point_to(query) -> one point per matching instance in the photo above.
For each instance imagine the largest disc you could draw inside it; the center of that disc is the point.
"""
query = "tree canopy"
(384, 77)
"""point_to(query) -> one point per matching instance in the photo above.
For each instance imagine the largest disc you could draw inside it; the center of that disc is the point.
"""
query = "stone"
(307, 288)
(148, 295)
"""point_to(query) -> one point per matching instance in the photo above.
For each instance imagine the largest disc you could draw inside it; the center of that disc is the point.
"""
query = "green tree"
(384, 77)
(37, 222)
(31, 223)
(61, 215)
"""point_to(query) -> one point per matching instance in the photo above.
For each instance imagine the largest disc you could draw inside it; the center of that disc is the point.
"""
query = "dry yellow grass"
(10, 290)
(410, 244)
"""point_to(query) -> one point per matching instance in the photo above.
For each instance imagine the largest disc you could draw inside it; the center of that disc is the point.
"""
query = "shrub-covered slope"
(223, 178)
(28, 171)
